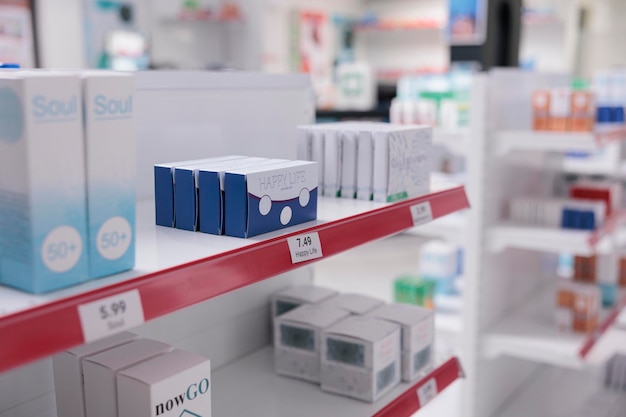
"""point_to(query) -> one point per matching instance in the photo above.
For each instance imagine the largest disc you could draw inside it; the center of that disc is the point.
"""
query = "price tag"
(422, 213)
(427, 392)
(110, 315)
(305, 247)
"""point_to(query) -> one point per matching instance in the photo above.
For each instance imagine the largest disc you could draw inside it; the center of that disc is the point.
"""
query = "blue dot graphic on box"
(11, 116)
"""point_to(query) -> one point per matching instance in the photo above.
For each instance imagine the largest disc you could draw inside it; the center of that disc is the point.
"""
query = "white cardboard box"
(111, 165)
(290, 298)
(297, 338)
(360, 358)
(68, 373)
(175, 384)
(418, 332)
(333, 157)
(353, 303)
(101, 373)
(401, 162)
(43, 209)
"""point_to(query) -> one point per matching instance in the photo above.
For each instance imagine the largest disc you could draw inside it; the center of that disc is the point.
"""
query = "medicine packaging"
(352, 303)
(290, 298)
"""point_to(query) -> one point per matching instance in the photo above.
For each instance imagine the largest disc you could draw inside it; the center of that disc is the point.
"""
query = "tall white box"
(43, 216)
(110, 149)
(418, 332)
(68, 373)
(360, 358)
(297, 340)
(352, 303)
(401, 162)
(101, 372)
(175, 384)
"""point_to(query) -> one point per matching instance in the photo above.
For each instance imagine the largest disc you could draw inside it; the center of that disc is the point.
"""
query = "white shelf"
(577, 242)
(553, 392)
(530, 333)
(529, 140)
(450, 228)
(249, 386)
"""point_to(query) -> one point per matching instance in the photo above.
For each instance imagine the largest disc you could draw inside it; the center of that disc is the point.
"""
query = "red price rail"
(176, 269)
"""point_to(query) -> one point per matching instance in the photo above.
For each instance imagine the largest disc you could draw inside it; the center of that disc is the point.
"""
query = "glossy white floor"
(371, 270)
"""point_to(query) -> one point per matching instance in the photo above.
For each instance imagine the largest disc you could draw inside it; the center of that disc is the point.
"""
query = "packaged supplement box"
(360, 358)
(293, 297)
(174, 384)
(297, 340)
(43, 209)
(353, 303)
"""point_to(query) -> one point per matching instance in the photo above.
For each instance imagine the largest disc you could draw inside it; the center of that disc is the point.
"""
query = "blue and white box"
(164, 188)
(210, 181)
(43, 216)
(186, 193)
(110, 149)
(262, 199)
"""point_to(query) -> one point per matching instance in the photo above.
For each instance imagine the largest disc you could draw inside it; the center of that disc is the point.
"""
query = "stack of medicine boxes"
(67, 177)
(235, 195)
(369, 161)
(125, 376)
(350, 344)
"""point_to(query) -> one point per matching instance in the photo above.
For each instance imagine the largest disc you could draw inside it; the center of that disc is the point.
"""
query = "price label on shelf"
(305, 247)
(110, 315)
(422, 213)
(427, 392)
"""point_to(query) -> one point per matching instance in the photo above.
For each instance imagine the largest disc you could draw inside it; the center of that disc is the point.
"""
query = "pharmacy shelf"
(530, 333)
(249, 386)
(553, 392)
(450, 228)
(576, 242)
(176, 269)
(527, 140)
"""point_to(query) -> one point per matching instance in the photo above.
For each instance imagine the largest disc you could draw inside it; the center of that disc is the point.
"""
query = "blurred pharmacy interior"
(505, 121)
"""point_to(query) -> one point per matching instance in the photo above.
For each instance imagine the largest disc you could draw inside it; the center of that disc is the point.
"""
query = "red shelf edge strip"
(50, 328)
(595, 336)
(408, 403)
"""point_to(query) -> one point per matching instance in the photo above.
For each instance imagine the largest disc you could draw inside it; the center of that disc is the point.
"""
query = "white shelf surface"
(160, 248)
(529, 140)
(249, 387)
(553, 392)
(530, 332)
(577, 242)
(450, 228)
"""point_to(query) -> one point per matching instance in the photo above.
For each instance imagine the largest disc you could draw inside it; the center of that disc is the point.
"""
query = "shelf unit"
(529, 333)
(176, 269)
(282, 396)
(511, 333)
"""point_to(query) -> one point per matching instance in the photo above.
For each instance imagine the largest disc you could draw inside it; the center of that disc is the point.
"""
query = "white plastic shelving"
(530, 332)
(506, 141)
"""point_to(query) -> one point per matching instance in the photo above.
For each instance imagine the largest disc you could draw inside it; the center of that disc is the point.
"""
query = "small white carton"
(101, 372)
(43, 209)
(290, 298)
(418, 332)
(310, 147)
(349, 140)
(175, 384)
(360, 358)
(401, 162)
(353, 303)
(68, 373)
(333, 158)
(297, 340)
(110, 148)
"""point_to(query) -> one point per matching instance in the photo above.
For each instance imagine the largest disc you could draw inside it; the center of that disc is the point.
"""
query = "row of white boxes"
(350, 344)
(235, 195)
(553, 212)
(125, 376)
(67, 177)
(369, 161)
